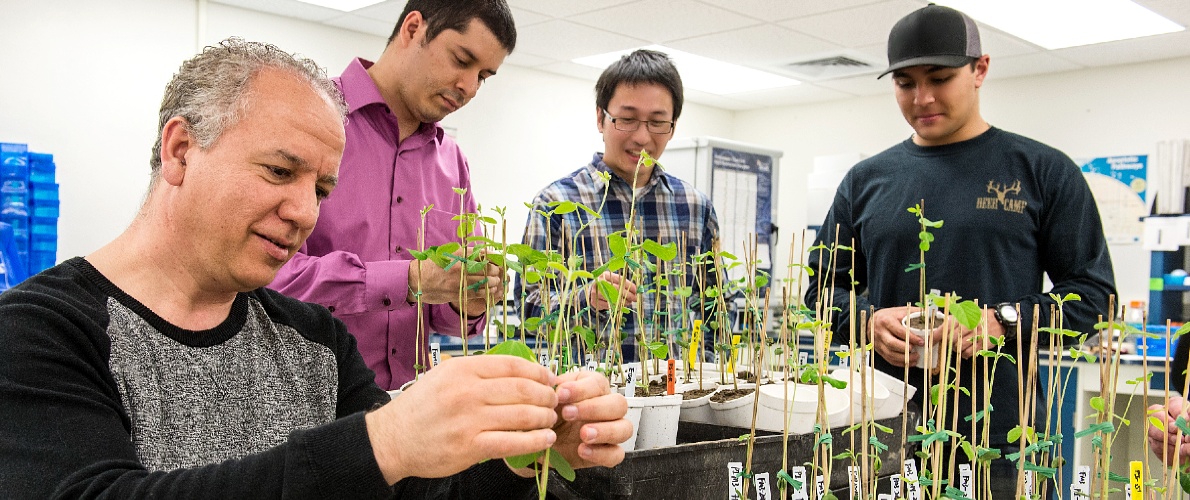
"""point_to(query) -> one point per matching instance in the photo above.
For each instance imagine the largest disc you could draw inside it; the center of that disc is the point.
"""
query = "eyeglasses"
(632, 124)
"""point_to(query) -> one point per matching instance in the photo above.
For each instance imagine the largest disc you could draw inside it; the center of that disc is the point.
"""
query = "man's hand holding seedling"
(1165, 442)
(591, 423)
(441, 286)
(892, 340)
(467, 410)
(625, 287)
(968, 341)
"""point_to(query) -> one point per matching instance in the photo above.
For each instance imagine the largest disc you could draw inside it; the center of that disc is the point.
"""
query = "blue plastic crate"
(40, 261)
(45, 208)
(14, 160)
(41, 167)
(43, 227)
(43, 242)
(43, 191)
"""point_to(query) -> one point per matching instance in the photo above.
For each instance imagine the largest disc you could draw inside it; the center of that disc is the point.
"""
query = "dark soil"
(695, 394)
(746, 376)
(919, 322)
(653, 390)
(730, 394)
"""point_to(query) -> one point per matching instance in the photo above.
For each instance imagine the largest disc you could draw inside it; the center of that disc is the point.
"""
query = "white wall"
(1094, 112)
(83, 80)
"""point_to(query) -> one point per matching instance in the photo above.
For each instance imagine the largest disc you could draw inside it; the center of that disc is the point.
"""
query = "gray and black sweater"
(102, 398)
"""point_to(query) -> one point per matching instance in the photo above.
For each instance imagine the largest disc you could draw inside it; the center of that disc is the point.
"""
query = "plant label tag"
(1075, 494)
(1028, 484)
(592, 365)
(966, 480)
(843, 363)
(435, 354)
(1082, 479)
(543, 358)
(884, 496)
(671, 376)
(857, 490)
(895, 483)
(762, 486)
(803, 357)
(800, 492)
(912, 488)
(820, 484)
(1136, 477)
(734, 480)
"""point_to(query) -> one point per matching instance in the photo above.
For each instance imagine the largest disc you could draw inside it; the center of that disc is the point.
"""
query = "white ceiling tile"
(786, 96)
(574, 70)
(999, 44)
(388, 11)
(1149, 48)
(524, 17)
(780, 10)
(362, 25)
(1029, 64)
(565, 40)
(287, 8)
(858, 26)
(864, 85)
(755, 45)
(564, 8)
(718, 101)
(1177, 11)
(667, 19)
(518, 58)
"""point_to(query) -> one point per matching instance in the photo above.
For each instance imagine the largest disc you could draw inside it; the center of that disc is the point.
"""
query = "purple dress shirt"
(356, 262)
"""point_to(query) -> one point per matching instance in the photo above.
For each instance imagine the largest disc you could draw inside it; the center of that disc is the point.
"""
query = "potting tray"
(696, 468)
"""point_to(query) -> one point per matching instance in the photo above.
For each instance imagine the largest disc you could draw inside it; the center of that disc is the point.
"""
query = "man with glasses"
(637, 103)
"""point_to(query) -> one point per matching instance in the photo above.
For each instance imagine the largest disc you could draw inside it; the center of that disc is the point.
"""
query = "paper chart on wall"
(1118, 184)
(741, 191)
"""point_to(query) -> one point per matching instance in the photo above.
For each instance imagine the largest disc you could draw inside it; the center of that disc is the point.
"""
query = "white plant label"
(895, 482)
(630, 381)
(1076, 494)
(883, 496)
(803, 357)
(966, 480)
(1029, 484)
(912, 488)
(734, 481)
(801, 492)
(821, 485)
(592, 365)
(843, 363)
(763, 492)
(435, 354)
(1082, 479)
(543, 358)
(857, 490)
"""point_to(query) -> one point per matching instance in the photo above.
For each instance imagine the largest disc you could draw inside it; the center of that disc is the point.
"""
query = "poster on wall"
(742, 192)
(1119, 184)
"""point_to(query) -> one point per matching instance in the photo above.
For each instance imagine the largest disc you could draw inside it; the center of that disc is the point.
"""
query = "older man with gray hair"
(159, 366)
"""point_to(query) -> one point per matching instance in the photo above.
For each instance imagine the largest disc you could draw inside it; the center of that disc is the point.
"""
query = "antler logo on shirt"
(1002, 201)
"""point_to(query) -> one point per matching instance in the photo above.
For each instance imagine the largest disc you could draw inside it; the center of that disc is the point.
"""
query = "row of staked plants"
(698, 314)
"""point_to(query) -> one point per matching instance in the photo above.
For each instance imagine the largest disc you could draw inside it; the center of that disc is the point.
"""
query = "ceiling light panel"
(1057, 24)
(703, 73)
(343, 5)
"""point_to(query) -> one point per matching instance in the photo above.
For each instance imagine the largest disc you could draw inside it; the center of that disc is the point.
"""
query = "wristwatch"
(1008, 316)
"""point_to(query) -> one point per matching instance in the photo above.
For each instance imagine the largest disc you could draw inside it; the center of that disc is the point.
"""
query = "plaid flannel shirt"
(667, 210)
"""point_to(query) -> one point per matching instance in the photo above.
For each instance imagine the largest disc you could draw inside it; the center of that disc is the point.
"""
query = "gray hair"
(208, 90)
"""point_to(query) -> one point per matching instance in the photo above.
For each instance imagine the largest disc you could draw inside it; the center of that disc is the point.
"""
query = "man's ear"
(407, 34)
(981, 69)
(176, 143)
(599, 119)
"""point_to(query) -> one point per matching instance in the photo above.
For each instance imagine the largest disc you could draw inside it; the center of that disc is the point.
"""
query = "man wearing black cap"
(1014, 209)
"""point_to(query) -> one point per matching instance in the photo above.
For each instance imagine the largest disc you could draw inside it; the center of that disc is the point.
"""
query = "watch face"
(1009, 313)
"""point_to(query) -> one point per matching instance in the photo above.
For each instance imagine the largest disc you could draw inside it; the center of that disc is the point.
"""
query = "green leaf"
(513, 348)
(1156, 422)
(563, 207)
(967, 314)
(665, 252)
(1184, 479)
(609, 291)
(658, 349)
(522, 461)
(560, 464)
(587, 334)
(1014, 435)
(743, 437)
(460, 191)
(617, 244)
(1097, 403)
(837, 384)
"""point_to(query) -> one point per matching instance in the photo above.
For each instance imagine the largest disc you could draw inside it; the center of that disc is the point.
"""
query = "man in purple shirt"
(397, 161)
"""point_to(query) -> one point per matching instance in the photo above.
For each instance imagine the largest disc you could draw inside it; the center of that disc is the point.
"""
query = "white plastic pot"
(658, 421)
(635, 408)
(736, 412)
(935, 350)
(803, 407)
(879, 399)
(698, 409)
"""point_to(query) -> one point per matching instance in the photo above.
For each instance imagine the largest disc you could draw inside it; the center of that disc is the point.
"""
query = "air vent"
(830, 67)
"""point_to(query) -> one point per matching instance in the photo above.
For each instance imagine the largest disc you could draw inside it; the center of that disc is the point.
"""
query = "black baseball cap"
(932, 35)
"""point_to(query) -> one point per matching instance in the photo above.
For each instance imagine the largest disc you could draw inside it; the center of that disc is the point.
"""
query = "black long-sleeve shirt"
(102, 398)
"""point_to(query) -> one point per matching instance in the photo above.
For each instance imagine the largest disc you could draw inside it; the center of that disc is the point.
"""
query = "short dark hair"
(442, 15)
(641, 66)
